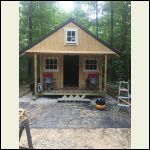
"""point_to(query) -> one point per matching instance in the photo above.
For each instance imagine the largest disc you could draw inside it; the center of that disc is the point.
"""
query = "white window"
(91, 64)
(50, 64)
(71, 36)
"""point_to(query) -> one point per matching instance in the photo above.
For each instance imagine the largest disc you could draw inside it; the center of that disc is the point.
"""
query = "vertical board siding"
(57, 75)
(55, 43)
(84, 74)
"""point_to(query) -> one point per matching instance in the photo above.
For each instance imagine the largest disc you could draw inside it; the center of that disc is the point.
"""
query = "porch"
(80, 78)
(73, 92)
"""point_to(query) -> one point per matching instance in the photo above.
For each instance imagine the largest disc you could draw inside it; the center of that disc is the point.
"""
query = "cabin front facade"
(70, 53)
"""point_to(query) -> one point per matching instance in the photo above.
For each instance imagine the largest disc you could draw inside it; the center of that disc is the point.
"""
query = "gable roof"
(21, 52)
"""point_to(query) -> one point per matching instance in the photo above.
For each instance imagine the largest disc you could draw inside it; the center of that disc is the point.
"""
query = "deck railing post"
(35, 73)
(100, 82)
(105, 73)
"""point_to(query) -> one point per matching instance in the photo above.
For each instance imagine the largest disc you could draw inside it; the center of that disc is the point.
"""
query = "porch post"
(105, 73)
(35, 73)
(41, 68)
(101, 72)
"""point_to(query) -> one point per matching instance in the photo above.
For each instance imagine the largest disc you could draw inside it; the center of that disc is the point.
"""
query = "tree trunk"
(96, 18)
(110, 72)
(112, 23)
(30, 60)
(124, 25)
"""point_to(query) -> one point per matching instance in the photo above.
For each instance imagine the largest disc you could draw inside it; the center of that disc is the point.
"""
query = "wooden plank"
(35, 73)
(105, 73)
(72, 92)
(55, 93)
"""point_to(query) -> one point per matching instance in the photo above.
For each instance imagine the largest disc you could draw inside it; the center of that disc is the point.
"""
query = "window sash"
(71, 36)
(90, 64)
(51, 64)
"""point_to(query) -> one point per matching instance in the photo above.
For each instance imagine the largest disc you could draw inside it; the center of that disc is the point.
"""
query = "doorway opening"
(71, 71)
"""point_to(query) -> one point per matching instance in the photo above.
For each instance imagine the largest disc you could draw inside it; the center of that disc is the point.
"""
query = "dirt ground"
(110, 138)
(23, 90)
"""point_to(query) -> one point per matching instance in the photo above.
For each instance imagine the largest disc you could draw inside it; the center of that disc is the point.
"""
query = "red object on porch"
(47, 74)
(93, 75)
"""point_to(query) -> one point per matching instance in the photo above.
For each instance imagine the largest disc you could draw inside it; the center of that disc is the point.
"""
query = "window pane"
(68, 33)
(55, 61)
(51, 61)
(91, 62)
(51, 67)
(87, 62)
(72, 39)
(95, 67)
(55, 66)
(68, 38)
(73, 33)
(47, 66)
(47, 61)
(95, 62)
(91, 67)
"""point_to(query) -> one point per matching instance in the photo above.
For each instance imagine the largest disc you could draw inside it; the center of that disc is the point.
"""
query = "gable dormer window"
(71, 36)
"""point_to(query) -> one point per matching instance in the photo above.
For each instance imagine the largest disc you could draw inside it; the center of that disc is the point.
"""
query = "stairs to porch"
(73, 98)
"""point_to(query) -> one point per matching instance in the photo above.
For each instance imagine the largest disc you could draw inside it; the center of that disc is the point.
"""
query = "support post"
(105, 73)
(35, 73)
(100, 83)
(101, 72)
(41, 68)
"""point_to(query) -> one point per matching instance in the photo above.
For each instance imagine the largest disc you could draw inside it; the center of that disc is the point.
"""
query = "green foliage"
(23, 70)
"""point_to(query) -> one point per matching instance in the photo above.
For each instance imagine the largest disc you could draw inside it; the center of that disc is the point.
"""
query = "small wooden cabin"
(70, 53)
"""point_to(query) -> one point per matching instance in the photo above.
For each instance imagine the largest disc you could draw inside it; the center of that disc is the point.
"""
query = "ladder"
(123, 96)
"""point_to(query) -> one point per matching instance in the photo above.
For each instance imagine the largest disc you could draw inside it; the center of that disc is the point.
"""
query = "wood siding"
(58, 75)
(55, 44)
(83, 74)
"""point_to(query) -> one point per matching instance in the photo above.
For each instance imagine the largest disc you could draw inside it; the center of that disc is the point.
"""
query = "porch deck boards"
(72, 92)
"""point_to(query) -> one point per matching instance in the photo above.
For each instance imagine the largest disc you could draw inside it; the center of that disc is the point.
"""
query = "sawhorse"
(25, 125)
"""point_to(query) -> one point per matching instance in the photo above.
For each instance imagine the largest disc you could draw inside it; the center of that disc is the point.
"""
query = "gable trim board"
(58, 51)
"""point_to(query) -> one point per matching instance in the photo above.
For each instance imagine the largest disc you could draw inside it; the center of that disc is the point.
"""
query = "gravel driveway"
(48, 113)
(76, 125)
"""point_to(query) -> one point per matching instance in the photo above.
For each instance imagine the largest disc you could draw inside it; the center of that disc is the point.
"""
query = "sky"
(67, 5)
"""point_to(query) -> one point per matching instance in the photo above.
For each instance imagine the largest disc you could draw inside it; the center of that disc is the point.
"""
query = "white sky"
(69, 6)
(66, 5)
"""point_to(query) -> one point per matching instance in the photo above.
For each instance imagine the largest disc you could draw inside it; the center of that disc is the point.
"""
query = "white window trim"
(76, 36)
(50, 70)
(90, 58)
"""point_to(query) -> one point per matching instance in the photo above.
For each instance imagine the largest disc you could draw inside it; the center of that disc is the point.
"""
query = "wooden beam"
(100, 81)
(41, 70)
(105, 73)
(35, 73)
(101, 71)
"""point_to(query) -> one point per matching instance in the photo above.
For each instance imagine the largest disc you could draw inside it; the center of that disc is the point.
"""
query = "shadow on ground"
(74, 115)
